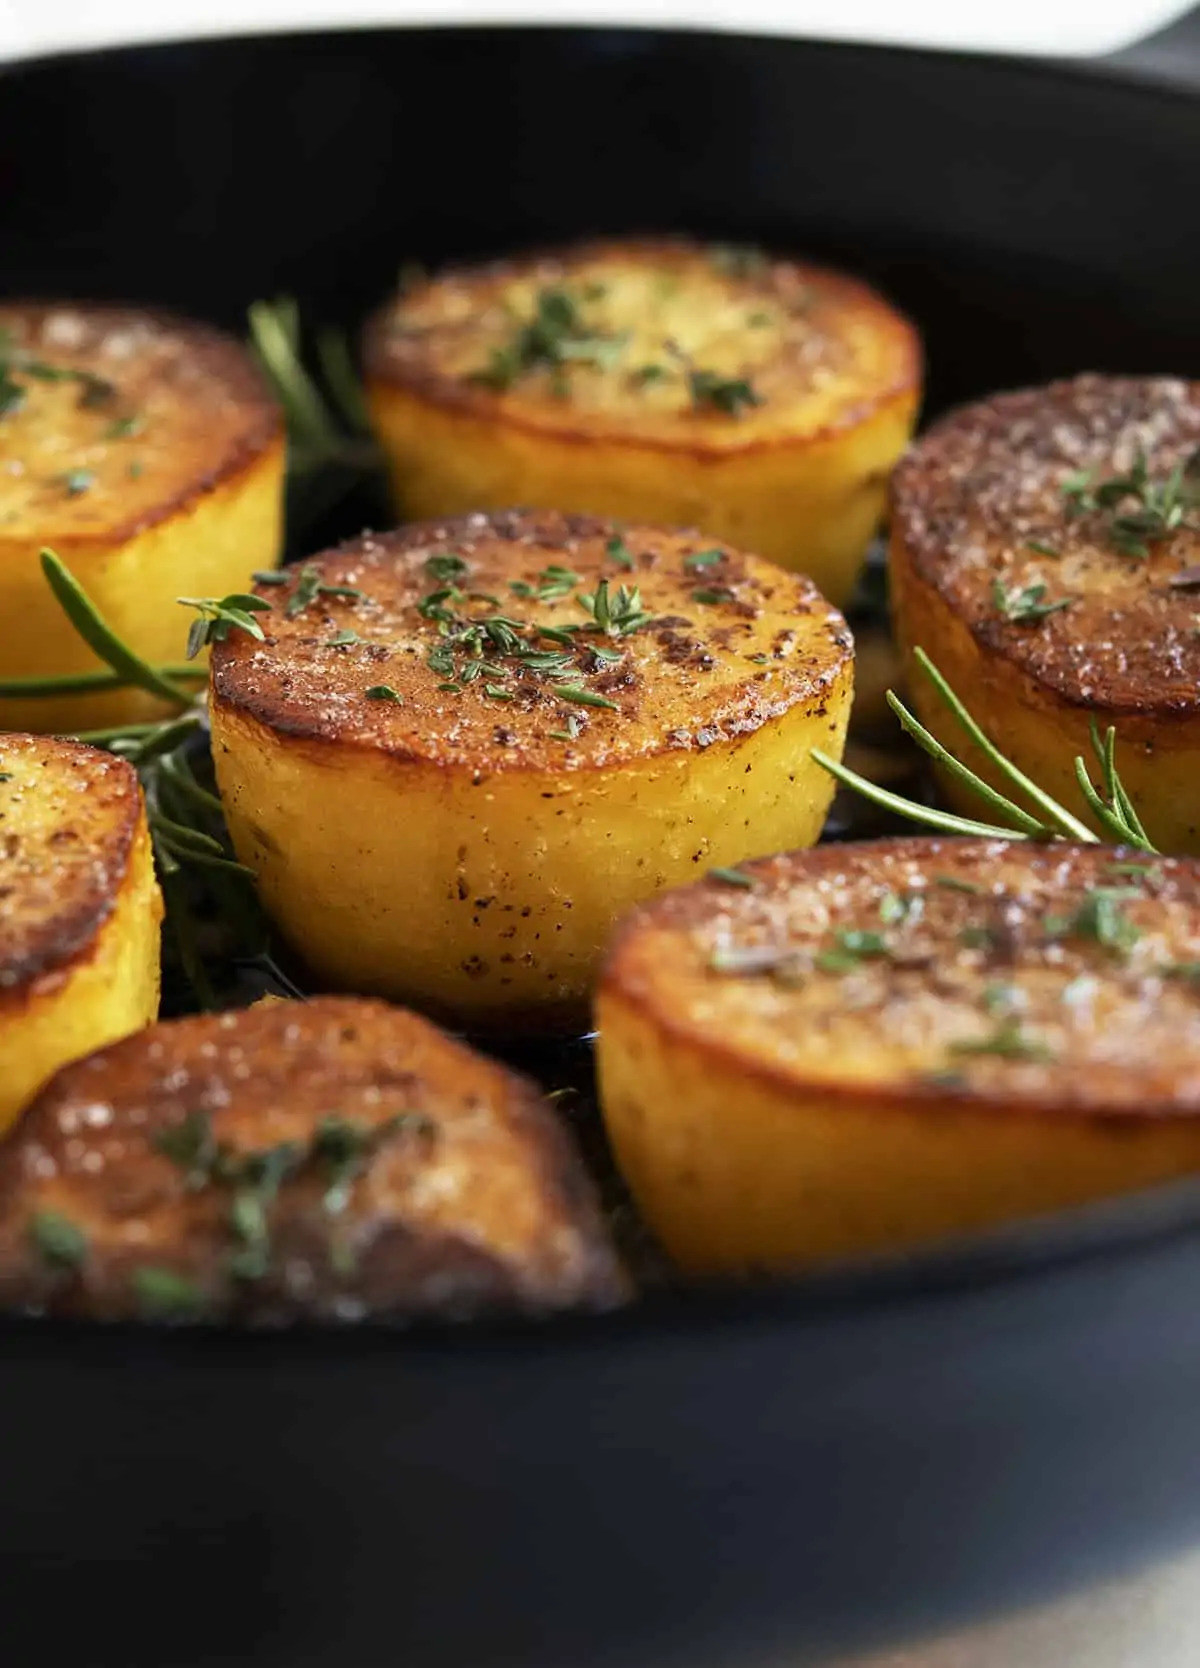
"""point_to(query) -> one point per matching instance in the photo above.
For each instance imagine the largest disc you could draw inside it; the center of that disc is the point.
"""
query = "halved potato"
(331, 1159)
(145, 451)
(991, 527)
(762, 400)
(79, 909)
(874, 1046)
(465, 748)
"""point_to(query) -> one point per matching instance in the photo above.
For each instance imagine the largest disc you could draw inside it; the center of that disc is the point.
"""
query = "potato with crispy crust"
(1044, 553)
(79, 909)
(333, 1159)
(146, 451)
(877, 1046)
(465, 748)
(762, 400)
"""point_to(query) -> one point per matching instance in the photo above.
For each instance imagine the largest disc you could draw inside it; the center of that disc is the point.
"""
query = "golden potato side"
(464, 748)
(146, 451)
(876, 1046)
(1043, 553)
(331, 1160)
(79, 909)
(762, 400)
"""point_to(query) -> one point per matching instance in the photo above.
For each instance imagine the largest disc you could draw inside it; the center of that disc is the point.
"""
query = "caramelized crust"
(334, 1159)
(118, 418)
(820, 349)
(985, 485)
(69, 819)
(993, 939)
(731, 643)
(877, 1047)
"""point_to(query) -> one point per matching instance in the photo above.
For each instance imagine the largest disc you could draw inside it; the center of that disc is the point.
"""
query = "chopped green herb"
(895, 907)
(163, 1293)
(619, 552)
(952, 883)
(701, 559)
(76, 482)
(57, 1240)
(619, 614)
(342, 639)
(135, 469)
(1008, 1041)
(1041, 549)
(1100, 917)
(977, 938)
(552, 339)
(582, 697)
(190, 1144)
(309, 586)
(448, 566)
(496, 693)
(731, 395)
(713, 595)
(124, 428)
(384, 692)
(1162, 507)
(1025, 605)
(732, 877)
(646, 374)
(218, 617)
(571, 733)
(850, 947)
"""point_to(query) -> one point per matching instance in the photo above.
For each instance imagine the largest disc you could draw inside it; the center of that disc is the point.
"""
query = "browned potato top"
(68, 819)
(993, 504)
(335, 1158)
(478, 643)
(112, 418)
(1054, 976)
(661, 341)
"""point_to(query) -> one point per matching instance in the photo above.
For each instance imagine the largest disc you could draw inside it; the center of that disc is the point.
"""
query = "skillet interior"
(708, 1482)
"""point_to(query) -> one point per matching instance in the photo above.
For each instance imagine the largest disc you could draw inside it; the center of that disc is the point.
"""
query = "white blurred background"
(1060, 27)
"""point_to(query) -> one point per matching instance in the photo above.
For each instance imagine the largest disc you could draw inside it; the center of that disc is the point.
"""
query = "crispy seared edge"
(625, 980)
(70, 940)
(459, 394)
(226, 359)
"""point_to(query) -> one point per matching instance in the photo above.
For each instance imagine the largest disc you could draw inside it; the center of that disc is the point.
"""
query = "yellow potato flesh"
(796, 471)
(790, 1180)
(494, 902)
(209, 547)
(981, 1056)
(812, 506)
(466, 845)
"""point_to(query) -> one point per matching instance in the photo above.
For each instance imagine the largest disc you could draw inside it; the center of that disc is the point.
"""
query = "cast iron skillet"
(725, 1478)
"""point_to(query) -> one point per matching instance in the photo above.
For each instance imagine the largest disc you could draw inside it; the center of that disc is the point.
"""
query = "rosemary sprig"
(331, 450)
(212, 912)
(100, 637)
(1109, 802)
